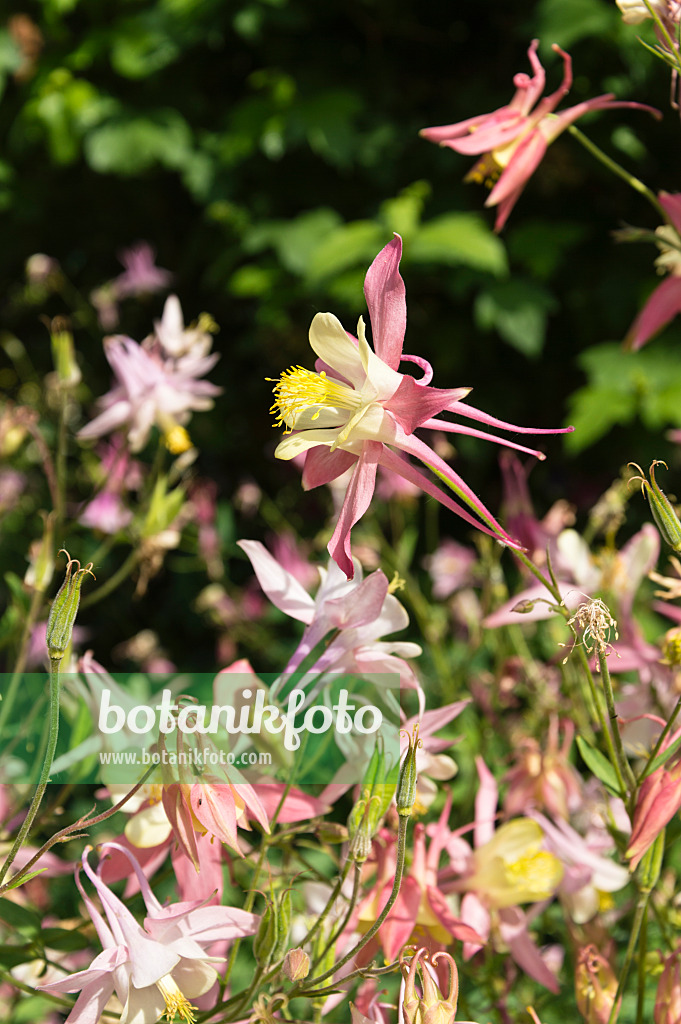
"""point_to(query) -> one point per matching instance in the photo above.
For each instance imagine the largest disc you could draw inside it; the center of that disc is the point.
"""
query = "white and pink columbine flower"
(154, 387)
(156, 968)
(356, 410)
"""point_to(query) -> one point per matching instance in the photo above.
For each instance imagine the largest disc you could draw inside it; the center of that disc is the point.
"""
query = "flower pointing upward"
(512, 140)
(356, 408)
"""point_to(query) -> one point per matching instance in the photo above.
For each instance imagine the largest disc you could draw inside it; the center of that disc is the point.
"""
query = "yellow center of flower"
(485, 171)
(177, 440)
(299, 389)
(536, 874)
(177, 1005)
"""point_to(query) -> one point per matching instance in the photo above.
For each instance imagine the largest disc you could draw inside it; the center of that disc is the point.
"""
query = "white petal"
(283, 589)
(295, 444)
(330, 341)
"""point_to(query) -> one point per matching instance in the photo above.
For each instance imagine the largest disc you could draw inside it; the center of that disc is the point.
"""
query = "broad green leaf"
(345, 247)
(566, 21)
(129, 144)
(21, 918)
(459, 238)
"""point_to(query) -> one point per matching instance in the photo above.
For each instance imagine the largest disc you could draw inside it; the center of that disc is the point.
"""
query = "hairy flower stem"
(625, 767)
(620, 171)
(47, 768)
(660, 740)
(368, 936)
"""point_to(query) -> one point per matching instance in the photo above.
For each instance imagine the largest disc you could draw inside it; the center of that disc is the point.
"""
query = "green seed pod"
(266, 937)
(662, 509)
(64, 608)
(406, 786)
(283, 925)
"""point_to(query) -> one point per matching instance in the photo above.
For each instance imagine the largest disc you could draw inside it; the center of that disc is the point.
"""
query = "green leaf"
(63, 939)
(14, 884)
(459, 239)
(13, 956)
(129, 144)
(664, 756)
(599, 765)
(295, 241)
(518, 310)
(345, 247)
(24, 920)
(566, 21)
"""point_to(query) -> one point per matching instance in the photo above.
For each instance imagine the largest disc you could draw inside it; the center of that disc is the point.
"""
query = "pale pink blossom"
(450, 567)
(512, 140)
(155, 968)
(141, 275)
(357, 411)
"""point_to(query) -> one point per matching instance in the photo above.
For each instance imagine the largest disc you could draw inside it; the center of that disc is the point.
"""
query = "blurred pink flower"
(362, 611)
(152, 390)
(106, 513)
(449, 567)
(665, 302)
(141, 275)
(357, 408)
(155, 969)
(512, 140)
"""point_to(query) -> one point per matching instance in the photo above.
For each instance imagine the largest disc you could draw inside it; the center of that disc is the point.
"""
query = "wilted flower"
(357, 408)
(512, 140)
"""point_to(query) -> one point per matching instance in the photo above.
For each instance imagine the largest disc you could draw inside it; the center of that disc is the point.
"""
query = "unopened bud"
(523, 607)
(595, 986)
(662, 509)
(668, 997)
(296, 965)
(406, 786)
(65, 607)
(63, 355)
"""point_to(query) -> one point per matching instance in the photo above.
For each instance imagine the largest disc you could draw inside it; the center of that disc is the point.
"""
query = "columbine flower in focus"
(357, 408)
(154, 388)
(155, 969)
(665, 302)
(512, 140)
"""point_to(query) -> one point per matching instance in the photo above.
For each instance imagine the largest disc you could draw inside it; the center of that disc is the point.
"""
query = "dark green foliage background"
(268, 149)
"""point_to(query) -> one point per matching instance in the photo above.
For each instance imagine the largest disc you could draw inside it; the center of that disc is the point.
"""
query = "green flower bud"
(406, 786)
(64, 608)
(266, 937)
(63, 355)
(662, 509)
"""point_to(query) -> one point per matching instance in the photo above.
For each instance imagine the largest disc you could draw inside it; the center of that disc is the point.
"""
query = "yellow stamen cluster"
(299, 389)
(177, 440)
(485, 171)
(537, 873)
(177, 1005)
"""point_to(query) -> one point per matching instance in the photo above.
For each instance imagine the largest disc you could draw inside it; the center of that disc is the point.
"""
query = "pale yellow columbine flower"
(512, 868)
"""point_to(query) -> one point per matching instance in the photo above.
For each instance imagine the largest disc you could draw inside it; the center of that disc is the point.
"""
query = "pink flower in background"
(361, 610)
(512, 140)
(449, 567)
(141, 275)
(665, 302)
(152, 390)
(154, 969)
(357, 411)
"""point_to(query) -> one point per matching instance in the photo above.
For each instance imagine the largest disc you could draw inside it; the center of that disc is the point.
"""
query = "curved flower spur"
(355, 409)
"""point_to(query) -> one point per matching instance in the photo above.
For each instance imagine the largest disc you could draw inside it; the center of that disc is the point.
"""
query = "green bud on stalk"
(65, 607)
(406, 786)
(662, 509)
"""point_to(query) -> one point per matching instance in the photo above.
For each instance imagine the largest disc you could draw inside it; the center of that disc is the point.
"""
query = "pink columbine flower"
(361, 610)
(141, 275)
(156, 968)
(512, 140)
(152, 389)
(665, 302)
(658, 800)
(358, 411)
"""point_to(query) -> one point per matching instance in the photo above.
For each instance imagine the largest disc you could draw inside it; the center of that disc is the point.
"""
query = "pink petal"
(298, 806)
(322, 465)
(476, 914)
(281, 587)
(671, 201)
(207, 883)
(485, 804)
(521, 167)
(513, 929)
(385, 295)
(357, 499)
(459, 929)
(412, 404)
(662, 306)
(401, 920)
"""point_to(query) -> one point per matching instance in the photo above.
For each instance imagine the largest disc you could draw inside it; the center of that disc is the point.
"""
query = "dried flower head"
(596, 624)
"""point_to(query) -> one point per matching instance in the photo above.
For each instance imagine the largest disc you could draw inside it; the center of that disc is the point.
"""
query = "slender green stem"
(335, 893)
(660, 740)
(113, 581)
(368, 936)
(9, 697)
(45, 774)
(60, 462)
(620, 171)
(344, 923)
(623, 761)
(641, 907)
(607, 736)
(642, 972)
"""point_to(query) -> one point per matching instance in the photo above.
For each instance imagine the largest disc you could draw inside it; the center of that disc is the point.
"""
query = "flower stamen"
(298, 389)
(177, 1005)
